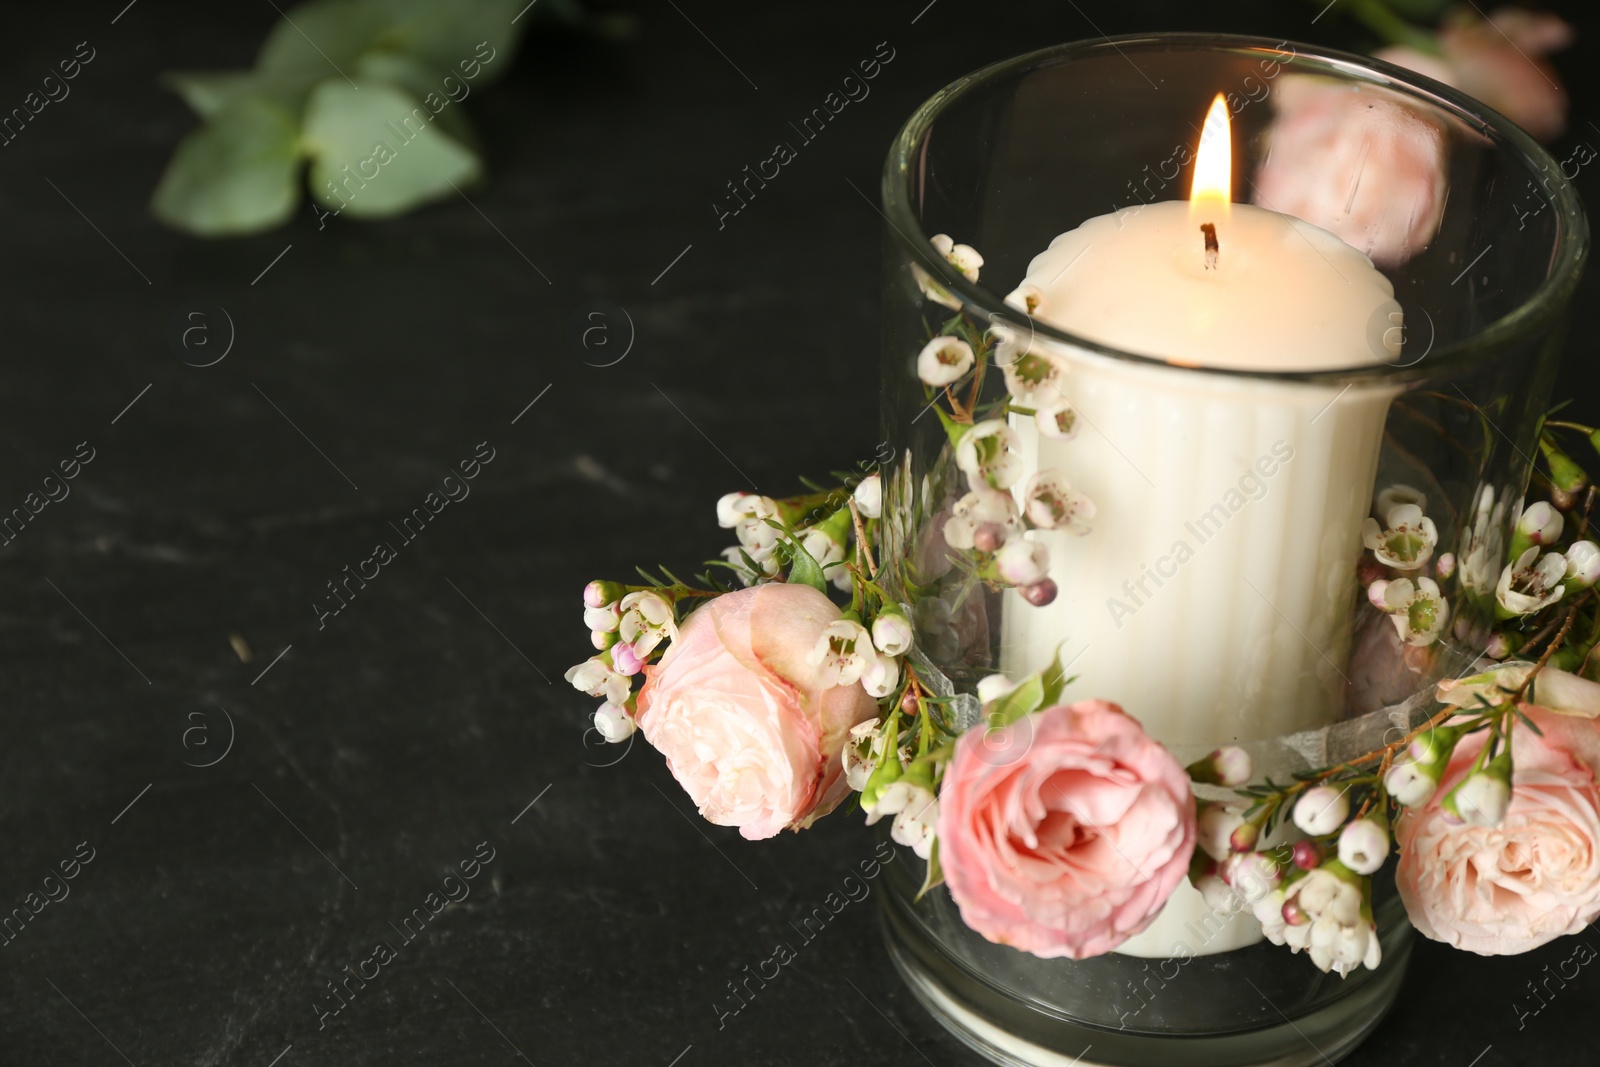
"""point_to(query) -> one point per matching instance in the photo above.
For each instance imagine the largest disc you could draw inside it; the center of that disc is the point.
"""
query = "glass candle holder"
(1218, 593)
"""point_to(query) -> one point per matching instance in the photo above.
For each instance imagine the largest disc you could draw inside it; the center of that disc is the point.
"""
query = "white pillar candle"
(1212, 598)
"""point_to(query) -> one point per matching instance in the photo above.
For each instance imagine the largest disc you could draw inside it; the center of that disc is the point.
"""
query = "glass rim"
(1526, 319)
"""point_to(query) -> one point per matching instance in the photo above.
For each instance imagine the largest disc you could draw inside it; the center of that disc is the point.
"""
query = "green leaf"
(473, 42)
(806, 570)
(322, 37)
(376, 151)
(233, 175)
(420, 79)
(1023, 700)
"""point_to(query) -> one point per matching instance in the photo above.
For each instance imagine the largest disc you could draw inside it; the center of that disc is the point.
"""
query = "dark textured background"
(429, 713)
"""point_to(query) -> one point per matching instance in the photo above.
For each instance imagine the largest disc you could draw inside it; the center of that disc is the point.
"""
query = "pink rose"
(1499, 61)
(1069, 842)
(748, 727)
(1357, 162)
(1504, 890)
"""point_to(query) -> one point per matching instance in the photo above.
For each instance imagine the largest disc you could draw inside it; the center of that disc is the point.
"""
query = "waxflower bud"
(1501, 645)
(1583, 564)
(598, 594)
(1540, 524)
(1376, 594)
(1445, 565)
(626, 660)
(1215, 828)
(993, 687)
(891, 631)
(1307, 855)
(1244, 838)
(604, 639)
(1321, 810)
(1565, 474)
(869, 497)
(1227, 766)
(1363, 845)
(1040, 593)
(989, 537)
(614, 723)
(1023, 562)
(1482, 798)
(605, 617)
(1409, 783)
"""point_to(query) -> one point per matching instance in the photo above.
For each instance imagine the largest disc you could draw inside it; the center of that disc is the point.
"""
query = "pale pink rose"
(1065, 835)
(1499, 891)
(748, 727)
(1500, 61)
(1356, 161)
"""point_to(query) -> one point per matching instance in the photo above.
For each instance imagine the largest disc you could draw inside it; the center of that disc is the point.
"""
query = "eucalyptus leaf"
(322, 37)
(235, 174)
(376, 151)
(468, 39)
(421, 80)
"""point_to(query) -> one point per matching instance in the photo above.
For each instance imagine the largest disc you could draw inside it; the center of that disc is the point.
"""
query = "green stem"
(1378, 18)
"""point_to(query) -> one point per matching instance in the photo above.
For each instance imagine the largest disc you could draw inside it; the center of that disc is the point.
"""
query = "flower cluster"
(1059, 827)
(990, 522)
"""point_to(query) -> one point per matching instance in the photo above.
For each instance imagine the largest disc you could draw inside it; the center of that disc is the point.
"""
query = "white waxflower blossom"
(1023, 562)
(1051, 504)
(647, 620)
(891, 633)
(988, 454)
(944, 361)
(1407, 540)
(747, 514)
(1321, 810)
(1027, 298)
(1034, 379)
(932, 289)
(882, 677)
(614, 723)
(861, 752)
(1583, 564)
(596, 678)
(1532, 583)
(979, 508)
(916, 814)
(963, 258)
(1478, 561)
(1393, 496)
(824, 549)
(604, 619)
(1334, 932)
(843, 652)
(869, 497)
(1419, 611)
(1058, 420)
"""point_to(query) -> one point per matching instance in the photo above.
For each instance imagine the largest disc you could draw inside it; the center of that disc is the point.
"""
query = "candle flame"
(1212, 190)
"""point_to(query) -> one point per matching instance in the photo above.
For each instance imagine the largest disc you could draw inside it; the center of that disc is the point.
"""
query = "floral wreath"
(1061, 828)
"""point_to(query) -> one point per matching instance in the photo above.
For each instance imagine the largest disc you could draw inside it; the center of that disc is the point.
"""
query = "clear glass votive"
(1256, 632)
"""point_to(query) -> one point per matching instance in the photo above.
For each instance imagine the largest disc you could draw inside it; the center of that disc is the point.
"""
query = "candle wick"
(1212, 248)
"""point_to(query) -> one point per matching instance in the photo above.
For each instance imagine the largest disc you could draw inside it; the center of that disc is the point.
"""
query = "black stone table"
(254, 791)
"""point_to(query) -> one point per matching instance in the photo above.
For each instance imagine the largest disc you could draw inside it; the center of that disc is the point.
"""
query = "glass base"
(1012, 1028)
